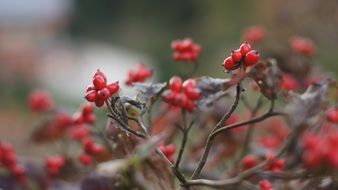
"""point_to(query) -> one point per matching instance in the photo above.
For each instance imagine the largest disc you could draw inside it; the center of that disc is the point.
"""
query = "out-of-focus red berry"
(332, 115)
(40, 101)
(168, 151)
(289, 83)
(185, 50)
(254, 34)
(302, 45)
(175, 84)
(249, 161)
(54, 164)
(85, 159)
(265, 185)
(140, 75)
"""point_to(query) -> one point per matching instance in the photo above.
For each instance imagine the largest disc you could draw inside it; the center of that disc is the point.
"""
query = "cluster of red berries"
(254, 34)
(168, 151)
(54, 165)
(86, 115)
(182, 94)
(265, 185)
(243, 56)
(185, 50)
(140, 75)
(100, 91)
(302, 45)
(321, 149)
(277, 165)
(40, 101)
(9, 160)
(332, 115)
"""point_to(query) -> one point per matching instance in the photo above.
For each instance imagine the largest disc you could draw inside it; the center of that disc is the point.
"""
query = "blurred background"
(58, 44)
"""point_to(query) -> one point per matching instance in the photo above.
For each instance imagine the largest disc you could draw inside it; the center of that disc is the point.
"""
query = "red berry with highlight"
(245, 48)
(251, 58)
(236, 55)
(99, 82)
(229, 64)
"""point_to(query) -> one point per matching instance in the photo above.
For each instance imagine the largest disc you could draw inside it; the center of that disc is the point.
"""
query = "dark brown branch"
(210, 139)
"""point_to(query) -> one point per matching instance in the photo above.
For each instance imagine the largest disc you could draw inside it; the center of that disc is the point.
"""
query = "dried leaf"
(303, 108)
(267, 76)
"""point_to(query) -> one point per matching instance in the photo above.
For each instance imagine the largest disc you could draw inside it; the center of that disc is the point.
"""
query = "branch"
(211, 138)
(185, 132)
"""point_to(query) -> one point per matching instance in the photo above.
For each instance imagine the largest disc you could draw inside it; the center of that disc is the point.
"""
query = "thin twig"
(210, 139)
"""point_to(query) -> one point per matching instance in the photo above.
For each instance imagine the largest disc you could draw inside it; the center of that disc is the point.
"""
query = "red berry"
(189, 83)
(175, 84)
(89, 118)
(254, 34)
(113, 87)
(229, 64)
(245, 48)
(179, 100)
(79, 132)
(251, 58)
(40, 101)
(332, 115)
(189, 105)
(168, 96)
(91, 96)
(193, 93)
(265, 185)
(249, 161)
(87, 108)
(85, 159)
(101, 74)
(104, 93)
(236, 56)
(99, 82)
(99, 102)
(170, 149)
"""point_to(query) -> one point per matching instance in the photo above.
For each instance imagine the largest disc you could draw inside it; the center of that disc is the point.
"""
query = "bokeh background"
(58, 44)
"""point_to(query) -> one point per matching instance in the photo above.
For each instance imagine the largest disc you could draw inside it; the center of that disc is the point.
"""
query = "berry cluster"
(168, 151)
(302, 45)
(40, 101)
(265, 185)
(182, 94)
(140, 75)
(276, 165)
(54, 165)
(254, 34)
(100, 91)
(243, 56)
(9, 160)
(185, 50)
(321, 149)
(86, 115)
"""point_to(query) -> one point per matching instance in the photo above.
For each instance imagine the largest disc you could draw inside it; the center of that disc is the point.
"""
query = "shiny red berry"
(193, 93)
(229, 64)
(236, 55)
(101, 74)
(99, 82)
(113, 87)
(251, 58)
(245, 48)
(99, 102)
(175, 84)
(91, 96)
